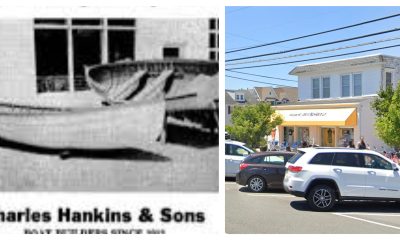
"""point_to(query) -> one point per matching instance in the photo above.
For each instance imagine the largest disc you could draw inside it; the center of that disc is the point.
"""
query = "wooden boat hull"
(135, 125)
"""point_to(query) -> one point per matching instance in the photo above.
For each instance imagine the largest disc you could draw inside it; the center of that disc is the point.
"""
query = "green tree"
(387, 109)
(251, 123)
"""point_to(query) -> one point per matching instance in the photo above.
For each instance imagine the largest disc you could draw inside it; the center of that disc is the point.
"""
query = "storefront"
(327, 123)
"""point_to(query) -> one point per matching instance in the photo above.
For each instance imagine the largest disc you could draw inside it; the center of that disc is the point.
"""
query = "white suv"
(235, 152)
(326, 175)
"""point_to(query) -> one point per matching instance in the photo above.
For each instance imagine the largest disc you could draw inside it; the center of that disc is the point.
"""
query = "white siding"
(17, 59)
(189, 35)
(371, 81)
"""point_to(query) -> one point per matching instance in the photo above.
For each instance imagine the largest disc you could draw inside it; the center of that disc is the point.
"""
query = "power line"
(316, 52)
(311, 59)
(249, 80)
(314, 34)
(317, 45)
(282, 79)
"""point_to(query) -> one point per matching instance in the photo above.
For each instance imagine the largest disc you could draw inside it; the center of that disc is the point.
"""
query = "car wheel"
(322, 198)
(257, 184)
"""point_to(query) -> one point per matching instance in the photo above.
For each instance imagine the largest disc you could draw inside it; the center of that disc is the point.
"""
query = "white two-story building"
(335, 101)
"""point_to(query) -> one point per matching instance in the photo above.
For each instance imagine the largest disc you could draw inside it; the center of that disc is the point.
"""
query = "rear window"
(252, 159)
(296, 157)
(322, 159)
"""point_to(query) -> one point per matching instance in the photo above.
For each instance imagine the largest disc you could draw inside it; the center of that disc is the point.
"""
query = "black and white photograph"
(109, 104)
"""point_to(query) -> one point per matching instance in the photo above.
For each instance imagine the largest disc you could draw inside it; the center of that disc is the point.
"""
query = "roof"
(355, 61)
(268, 153)
(228, 99)
(290, 93)
(336, 149)
(250, 96)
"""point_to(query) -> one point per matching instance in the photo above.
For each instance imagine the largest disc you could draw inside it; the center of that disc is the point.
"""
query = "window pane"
(326, 90)
(120, 45)
(315, 86)
(51, 60)
(373, 161)
(213, 24)
(357, 84)
(322, 159)
(238, 151)
(275, 160)
(345, 85)
(86, 51)
(212, 40)
(349, 160)
(171, 52)
(52, 21)
(87, 21)
(213, 55)
(121, 22)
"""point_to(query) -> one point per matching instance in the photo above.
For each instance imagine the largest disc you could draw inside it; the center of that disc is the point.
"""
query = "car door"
(234, 155)
(350, 174)
(383, 181)
(273, 170)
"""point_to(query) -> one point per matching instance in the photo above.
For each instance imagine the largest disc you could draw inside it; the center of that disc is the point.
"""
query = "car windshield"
(296, 157)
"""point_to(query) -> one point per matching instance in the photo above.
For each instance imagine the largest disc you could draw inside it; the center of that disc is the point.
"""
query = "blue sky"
(248, 26)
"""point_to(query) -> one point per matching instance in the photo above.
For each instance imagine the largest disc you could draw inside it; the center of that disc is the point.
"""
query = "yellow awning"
(319, 117)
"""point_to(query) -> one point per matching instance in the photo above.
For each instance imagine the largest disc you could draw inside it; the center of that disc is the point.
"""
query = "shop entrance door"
(328, 137)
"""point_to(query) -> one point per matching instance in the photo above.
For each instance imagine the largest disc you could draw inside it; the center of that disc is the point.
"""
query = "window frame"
(354, 85)
(341, 84)
(323, 87)
(70, 27)
(313, 89)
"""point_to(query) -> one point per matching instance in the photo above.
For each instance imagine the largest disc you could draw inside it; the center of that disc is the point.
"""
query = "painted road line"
(268, 195)
(368, 221)
(372, 214)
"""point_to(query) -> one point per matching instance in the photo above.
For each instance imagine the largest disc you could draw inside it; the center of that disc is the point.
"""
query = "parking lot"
(278, 212)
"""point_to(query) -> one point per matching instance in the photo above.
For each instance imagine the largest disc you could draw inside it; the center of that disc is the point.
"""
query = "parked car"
(265, 170)
(325, 176)
(235, 152)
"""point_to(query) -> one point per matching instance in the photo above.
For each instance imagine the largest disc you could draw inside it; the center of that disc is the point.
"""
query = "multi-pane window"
(357, 84)
(315, 87)
(345, 81)
(213, 39)
(64, 46)
(326, 87)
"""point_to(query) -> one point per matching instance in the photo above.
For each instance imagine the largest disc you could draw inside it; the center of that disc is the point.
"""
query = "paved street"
(279, 212)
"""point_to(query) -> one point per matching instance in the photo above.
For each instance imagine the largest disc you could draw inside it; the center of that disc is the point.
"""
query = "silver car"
(235, 152)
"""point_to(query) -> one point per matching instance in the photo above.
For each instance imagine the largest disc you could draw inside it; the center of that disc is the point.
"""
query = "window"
(86, 51)
(171, 52)
(322, 159)
(120, 45)
(388, 79)
(315, 87)
(229, 110)
(274, 160)
(51, 60)
(213, 39)
(373, 161)
(345, 80)
(254, 159)
(64, 46)
(239, 151)
(296, 157)
(326, 87)
(349, 160)
(357, 84)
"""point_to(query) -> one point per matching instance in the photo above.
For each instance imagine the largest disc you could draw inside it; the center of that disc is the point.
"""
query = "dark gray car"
(260, 171)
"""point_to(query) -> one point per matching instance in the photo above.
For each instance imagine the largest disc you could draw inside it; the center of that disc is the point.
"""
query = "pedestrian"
(351, 144)
(362, 144)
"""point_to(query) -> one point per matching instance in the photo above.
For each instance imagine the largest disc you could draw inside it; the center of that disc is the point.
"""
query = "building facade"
(42, 60)
(335, 102)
